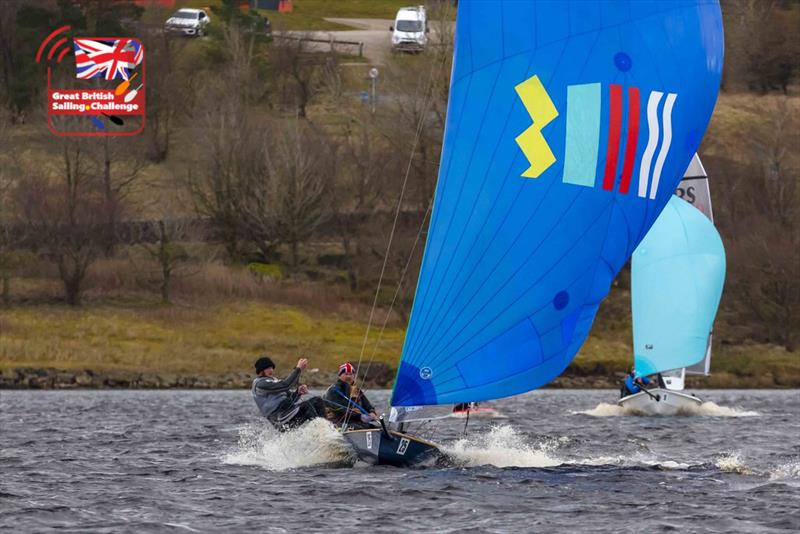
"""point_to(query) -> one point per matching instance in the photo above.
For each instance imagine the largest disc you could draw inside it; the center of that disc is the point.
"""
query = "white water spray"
(501, 447)
(786, 472)
(707, 409)
(732, 463)
(315, 443)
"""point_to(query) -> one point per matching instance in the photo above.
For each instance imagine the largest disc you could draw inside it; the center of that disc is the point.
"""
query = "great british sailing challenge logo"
(103, 93)
(583, 135)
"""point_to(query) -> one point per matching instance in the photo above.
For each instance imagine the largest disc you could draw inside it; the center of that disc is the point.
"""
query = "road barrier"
(331, 41)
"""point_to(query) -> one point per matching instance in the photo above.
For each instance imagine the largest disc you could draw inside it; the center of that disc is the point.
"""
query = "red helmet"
(348, 368)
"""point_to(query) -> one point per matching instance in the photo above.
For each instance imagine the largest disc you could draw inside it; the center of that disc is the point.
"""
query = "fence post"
(361, 49)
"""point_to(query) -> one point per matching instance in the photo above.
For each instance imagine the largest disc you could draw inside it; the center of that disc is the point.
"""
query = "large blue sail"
(677, 274)
(569, 126)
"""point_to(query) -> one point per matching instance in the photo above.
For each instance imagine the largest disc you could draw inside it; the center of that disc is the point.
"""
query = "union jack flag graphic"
(107, 58)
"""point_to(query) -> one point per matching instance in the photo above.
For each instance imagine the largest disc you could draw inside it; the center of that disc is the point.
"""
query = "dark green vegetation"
(253, 213)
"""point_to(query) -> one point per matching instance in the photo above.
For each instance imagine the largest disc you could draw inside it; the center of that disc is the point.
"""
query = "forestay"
(569, 126)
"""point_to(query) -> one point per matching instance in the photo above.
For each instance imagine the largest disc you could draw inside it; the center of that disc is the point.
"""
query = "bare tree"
(119, 163)
(303, 73)
(301, 164)
(761, 222)
(230, 149)
(767, 268)
(64, 214)
(360, 190)
(413, 122)
(761, 50)
(167, 253)
(163, 89)
(287, 200)
(231, 155)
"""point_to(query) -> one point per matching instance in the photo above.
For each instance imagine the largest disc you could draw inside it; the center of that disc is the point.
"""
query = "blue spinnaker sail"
(569, 126)
(677, 275)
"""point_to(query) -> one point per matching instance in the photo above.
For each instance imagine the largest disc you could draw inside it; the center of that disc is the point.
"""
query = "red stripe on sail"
(632, 139)
(614, 127)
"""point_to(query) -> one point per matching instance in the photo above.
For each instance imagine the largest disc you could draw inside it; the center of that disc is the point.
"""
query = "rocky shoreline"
(51, 378)
(380, 377)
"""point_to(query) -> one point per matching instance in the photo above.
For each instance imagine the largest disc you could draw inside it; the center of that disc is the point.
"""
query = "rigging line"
(420, 124)
(397, 290)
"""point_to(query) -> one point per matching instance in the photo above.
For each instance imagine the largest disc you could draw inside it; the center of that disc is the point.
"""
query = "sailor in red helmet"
(346, 404)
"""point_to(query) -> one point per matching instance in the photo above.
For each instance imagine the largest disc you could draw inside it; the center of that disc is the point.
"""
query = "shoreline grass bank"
(151, 346)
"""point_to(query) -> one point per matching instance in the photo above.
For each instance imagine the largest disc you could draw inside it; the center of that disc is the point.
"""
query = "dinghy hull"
(374, 446)
(668, 403)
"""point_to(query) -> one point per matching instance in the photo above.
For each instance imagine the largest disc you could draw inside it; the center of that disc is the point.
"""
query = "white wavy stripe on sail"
(652, 141)
(666, 115)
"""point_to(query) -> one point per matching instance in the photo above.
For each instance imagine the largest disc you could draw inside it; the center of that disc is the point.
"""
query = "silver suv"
(191, 22)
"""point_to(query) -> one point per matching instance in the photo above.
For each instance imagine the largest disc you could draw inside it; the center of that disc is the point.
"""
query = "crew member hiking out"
(634, 384)
(346, 403)
(278, 402)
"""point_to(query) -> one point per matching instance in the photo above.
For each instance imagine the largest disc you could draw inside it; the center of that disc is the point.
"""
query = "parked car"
(410, 29)
(190, 22)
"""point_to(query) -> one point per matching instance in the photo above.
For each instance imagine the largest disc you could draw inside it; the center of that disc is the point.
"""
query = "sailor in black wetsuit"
(276, 400)
(347, 404)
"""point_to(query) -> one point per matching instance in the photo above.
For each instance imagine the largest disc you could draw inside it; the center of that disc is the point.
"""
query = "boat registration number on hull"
(401, 449)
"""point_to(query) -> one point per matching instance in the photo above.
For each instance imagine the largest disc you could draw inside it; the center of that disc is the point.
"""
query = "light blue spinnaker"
(521, 249)
(677, 274)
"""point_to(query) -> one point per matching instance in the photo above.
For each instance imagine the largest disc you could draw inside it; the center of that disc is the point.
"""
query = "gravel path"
(374, 33)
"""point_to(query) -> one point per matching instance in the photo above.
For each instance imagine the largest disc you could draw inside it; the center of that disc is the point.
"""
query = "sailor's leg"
(308, 410)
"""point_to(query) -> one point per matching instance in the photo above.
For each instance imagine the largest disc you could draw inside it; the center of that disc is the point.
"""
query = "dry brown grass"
(176, 339)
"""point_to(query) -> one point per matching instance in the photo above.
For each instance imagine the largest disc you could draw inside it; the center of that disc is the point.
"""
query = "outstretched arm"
(279, 386)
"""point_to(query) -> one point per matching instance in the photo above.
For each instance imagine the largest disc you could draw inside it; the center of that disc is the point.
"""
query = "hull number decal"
(401, 449)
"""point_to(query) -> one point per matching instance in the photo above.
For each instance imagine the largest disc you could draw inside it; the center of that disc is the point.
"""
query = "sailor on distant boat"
(346, 403)
(274, 398)
(634, 383)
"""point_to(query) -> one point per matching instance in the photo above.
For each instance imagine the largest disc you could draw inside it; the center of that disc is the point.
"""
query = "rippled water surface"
(117, 461)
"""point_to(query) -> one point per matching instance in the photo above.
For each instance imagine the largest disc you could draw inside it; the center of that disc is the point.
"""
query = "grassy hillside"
(215, 340)
(221, 339)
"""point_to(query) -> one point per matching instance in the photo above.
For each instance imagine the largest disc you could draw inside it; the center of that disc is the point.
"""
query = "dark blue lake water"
(562, 460)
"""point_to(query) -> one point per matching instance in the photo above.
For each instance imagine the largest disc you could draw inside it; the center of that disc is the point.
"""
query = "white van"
(410, 29)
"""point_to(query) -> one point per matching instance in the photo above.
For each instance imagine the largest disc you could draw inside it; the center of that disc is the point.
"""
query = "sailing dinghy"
(569, 126)
(677, 275)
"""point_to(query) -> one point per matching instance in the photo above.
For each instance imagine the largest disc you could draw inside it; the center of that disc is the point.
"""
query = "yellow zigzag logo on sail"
(531, 141)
